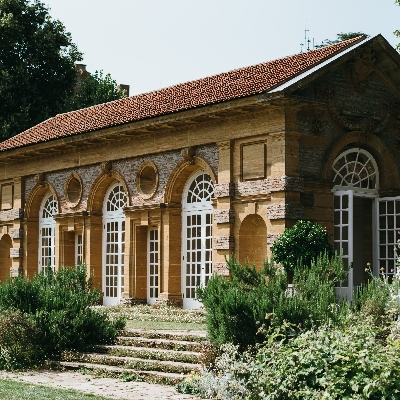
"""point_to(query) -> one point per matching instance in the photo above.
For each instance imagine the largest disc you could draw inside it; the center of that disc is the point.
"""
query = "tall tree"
(37, 65)
(340, 37)
(94, 89)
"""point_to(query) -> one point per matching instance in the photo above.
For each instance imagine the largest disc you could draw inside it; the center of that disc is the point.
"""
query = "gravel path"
(107, 387)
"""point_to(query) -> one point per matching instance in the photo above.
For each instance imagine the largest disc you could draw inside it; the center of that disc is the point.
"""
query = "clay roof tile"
(213, 89)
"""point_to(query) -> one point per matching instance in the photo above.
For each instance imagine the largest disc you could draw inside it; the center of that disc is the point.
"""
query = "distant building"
(152, 191)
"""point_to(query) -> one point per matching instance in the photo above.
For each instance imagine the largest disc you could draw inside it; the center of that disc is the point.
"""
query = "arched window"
(113, 244)
(355, 169)
(47, 226)
(197, 236)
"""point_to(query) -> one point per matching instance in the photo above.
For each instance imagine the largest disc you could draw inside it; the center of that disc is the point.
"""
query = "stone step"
(182, 335)
(167, 344)
(135, 363)
(163, 378)
(149, 353)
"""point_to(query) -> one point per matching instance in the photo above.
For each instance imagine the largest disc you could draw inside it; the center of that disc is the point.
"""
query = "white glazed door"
(388, 227)
(46, 240)
(152, 266)
(47, 228)
(198, 255)
(343, 237)
(113, 245)
(197, 237)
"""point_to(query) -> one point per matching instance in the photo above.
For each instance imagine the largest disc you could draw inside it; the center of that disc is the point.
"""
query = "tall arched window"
(113, 244)
(196, 236)
(47, 226)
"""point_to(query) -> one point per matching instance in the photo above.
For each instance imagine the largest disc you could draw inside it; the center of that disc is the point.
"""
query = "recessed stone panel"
(253, 161)
(7, 197)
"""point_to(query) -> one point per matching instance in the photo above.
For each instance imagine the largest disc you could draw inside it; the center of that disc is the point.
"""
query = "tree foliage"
(340, 37)
(37, 65)
(37, 69)
(305, 241)
(95, 89)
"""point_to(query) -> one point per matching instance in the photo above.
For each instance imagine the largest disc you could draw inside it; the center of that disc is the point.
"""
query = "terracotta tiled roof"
(218, 88)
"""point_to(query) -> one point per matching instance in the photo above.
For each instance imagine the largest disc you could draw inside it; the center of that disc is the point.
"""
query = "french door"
(152, 266)
(113, 245)
(197, 237)
(47, 228)
(343, 237)
(388, 228)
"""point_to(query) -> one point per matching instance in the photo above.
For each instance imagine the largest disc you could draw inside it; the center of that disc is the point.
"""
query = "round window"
(147, 180)
(73, 189)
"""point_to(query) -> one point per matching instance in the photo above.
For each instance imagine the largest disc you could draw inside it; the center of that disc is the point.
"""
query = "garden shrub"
(305, 241)
(226, 380)
(328, 363)
(20, 341)
(61, 305)
(238, 307)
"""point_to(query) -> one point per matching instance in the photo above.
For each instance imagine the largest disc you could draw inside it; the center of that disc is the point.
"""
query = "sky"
(151, 44)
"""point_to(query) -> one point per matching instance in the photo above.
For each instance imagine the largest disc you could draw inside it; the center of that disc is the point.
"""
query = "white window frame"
(78, 248)
(196, 207)
(113, 244)
(47, 228)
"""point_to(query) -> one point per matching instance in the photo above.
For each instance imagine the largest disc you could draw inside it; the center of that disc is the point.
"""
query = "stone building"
(153, 191)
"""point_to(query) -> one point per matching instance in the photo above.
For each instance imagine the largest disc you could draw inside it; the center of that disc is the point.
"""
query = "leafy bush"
(238, 307)
(305, 242)
(377, 300)
(345, 363)
(61, 306)
(20, 341)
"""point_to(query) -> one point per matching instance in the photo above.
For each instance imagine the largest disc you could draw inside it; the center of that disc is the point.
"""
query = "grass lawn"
(11, 390)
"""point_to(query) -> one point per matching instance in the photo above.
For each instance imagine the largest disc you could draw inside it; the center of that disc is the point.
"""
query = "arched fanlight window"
(116, 199)
(113, 244)
(47, 225)
(200, 191)
(196, 236)
(355, 169)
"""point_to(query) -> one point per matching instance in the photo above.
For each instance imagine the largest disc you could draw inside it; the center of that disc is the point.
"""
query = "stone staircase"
(163, 357)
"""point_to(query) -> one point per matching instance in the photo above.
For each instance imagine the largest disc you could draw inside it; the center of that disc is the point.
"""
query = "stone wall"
(127, 168)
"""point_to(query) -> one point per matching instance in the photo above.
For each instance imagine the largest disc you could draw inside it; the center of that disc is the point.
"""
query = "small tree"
(305, 242)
